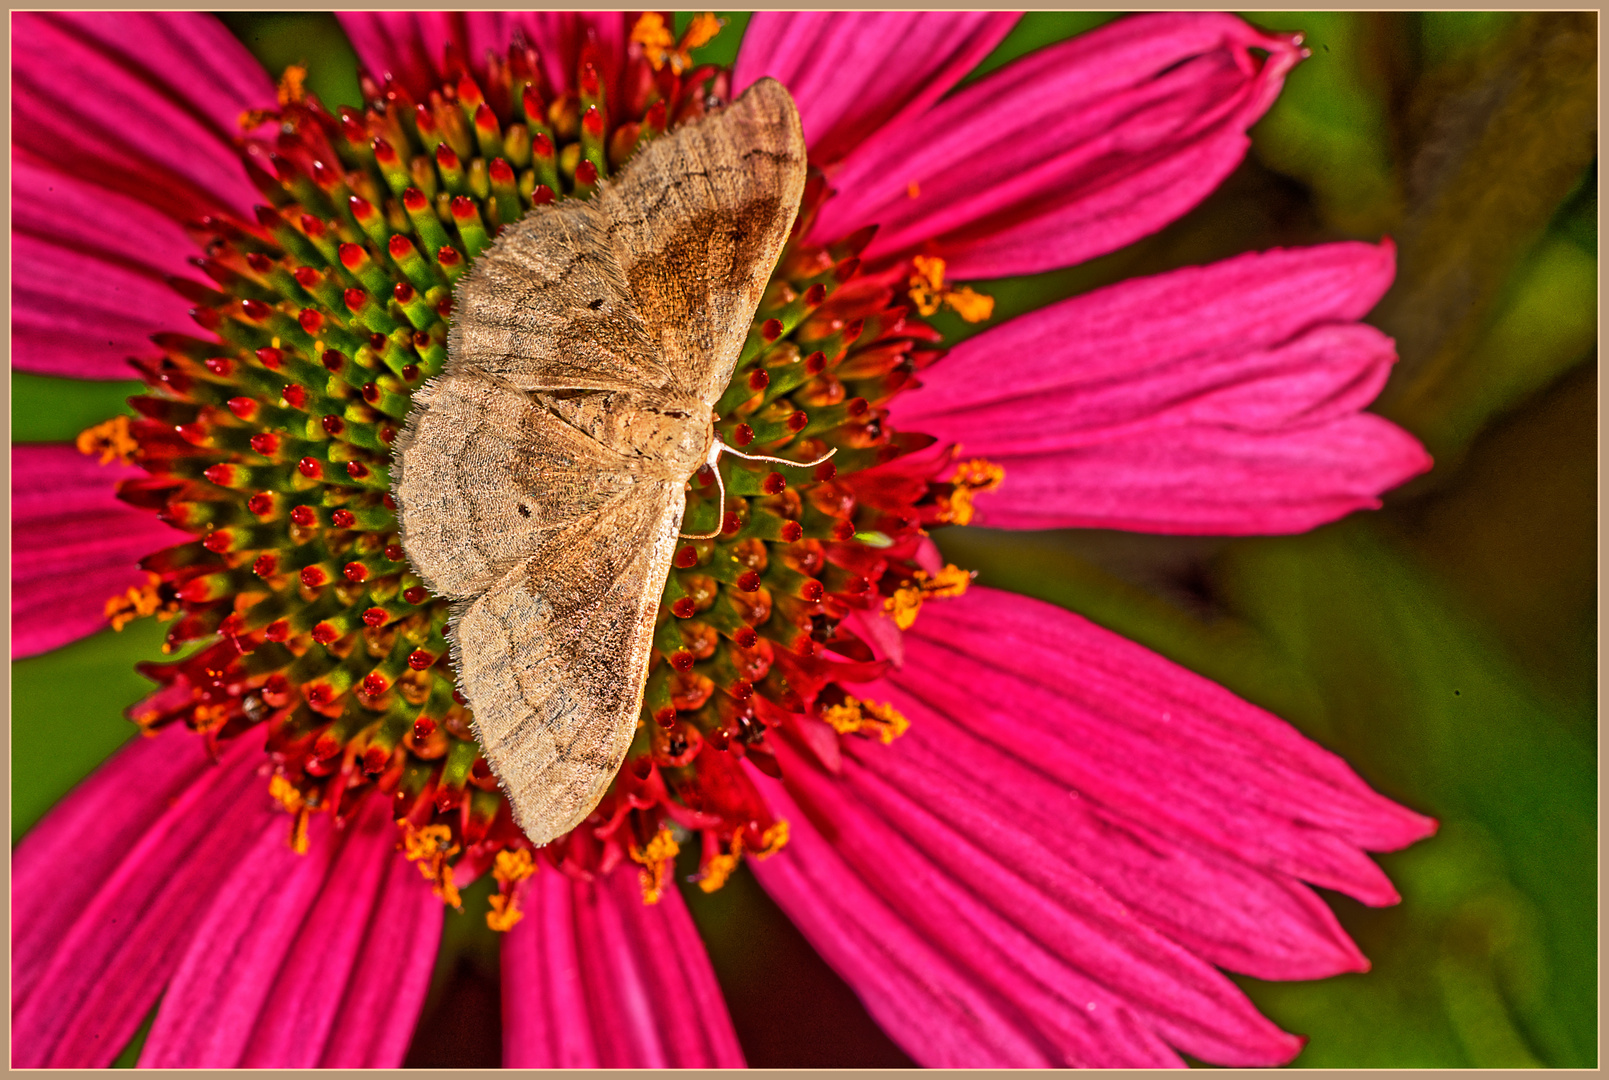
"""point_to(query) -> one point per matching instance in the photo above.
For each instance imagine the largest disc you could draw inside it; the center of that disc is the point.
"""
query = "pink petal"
(1220, 399)
(108, 968)
(411, 45)
(1156, 744)
(60, 864)
(1069, 153)
(212, 1003)
(1044, 936)
(951, 998)
(123, 127)
(300, 1009)
(73, 544)
(595, 978)
(85, 294)
(858, 75)
(1228, 912)
(391, 977)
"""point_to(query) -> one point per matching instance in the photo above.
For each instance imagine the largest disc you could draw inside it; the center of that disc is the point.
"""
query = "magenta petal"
(1069, 153)
(595, 978)
(950, 981)
(124, 127)
(107, 970)
(391, 977)
(1100, 984)
(1228, 912)
(89, 266)
(411, 45)
(1153, 742)
(300, 1009)
(60, 864)
(142, 103)
(1216, 399)
(212, 1002)
(856, 75)
(74, 545)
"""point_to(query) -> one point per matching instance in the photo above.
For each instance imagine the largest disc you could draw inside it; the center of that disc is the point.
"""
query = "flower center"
(269, 439)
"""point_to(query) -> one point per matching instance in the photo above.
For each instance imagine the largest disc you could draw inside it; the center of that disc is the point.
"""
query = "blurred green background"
(1446, 645)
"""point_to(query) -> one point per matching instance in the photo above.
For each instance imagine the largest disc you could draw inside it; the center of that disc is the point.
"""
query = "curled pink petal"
(1080, 829)
(73, 545)
(595, 978)
(107, 970)
(1069, 153)
(1216, 399)
(858, 75)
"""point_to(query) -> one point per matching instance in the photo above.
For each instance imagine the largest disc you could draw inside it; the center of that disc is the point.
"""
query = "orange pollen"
(110, 439)
(136, 602)
(655, 861)
(866, 717)
(907, 600)
(431, 847)
(970, 477)
(512, 866)
(928, 291)
(295, 803)
(660, 46)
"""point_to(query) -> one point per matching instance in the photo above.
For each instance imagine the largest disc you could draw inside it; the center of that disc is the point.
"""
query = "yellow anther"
(510, 867)
(913, 190)
(907, 600)
(660, 46)
(655, 861)
(136, 602)
(210, 717)
(505, 912)
(290, 797)
(291, 90)
(928, 291)
(853, 715)
(110, 440)
(701, 31)
(431, 847)
(773, 840)
(970, 477)
(719, 868)
(654, 36)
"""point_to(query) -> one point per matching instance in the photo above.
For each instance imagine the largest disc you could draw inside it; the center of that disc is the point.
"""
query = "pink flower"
(1049, 868)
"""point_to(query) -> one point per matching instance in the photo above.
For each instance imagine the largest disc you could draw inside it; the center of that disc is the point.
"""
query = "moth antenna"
(721, 521)
(780, 461)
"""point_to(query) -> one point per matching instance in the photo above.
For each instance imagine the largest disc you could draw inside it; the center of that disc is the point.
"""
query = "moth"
(540, 479)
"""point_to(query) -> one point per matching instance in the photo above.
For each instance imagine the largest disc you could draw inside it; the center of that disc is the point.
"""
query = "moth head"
(684, 434)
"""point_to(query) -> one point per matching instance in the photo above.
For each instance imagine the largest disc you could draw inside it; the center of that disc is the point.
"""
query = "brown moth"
(540, 479)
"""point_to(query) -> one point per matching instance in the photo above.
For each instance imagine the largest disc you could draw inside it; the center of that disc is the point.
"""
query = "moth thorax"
(674, 430)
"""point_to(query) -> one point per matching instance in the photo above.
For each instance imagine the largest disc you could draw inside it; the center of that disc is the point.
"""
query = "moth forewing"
(541, 479)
